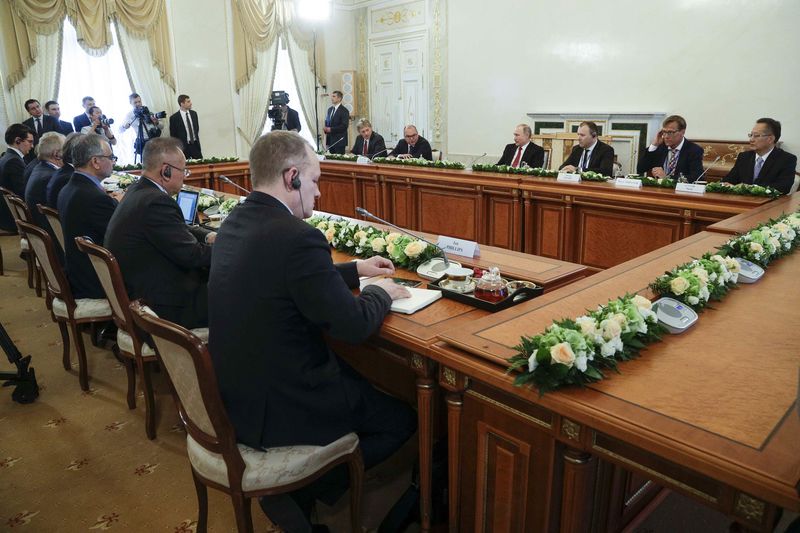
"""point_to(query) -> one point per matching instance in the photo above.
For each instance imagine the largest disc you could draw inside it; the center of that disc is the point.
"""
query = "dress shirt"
(93, 179)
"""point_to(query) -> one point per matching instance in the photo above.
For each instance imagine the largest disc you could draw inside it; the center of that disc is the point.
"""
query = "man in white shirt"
(522, 152)
(144, 123)
(765, 164)
(184, 125)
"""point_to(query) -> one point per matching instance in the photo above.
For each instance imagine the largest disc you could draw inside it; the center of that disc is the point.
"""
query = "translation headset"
(167, 172)
(295, 183)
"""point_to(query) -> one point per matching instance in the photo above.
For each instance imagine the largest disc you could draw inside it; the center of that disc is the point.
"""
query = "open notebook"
(419, 298)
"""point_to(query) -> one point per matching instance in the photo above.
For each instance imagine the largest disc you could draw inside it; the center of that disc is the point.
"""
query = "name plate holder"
(459, 246)
(568, 177)
(631, 183)
(361, 160)
(321, 157)
(208, 192)
(693, 188)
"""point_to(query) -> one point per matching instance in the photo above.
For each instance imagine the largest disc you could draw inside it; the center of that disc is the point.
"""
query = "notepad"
(419, 298)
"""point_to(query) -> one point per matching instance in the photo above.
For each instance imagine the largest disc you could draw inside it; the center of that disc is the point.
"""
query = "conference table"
(710, 413)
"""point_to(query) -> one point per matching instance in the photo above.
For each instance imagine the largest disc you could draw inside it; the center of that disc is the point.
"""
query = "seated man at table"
(61, 176)
(163, 261)
(591, 154)
(522, 152)
(368, 143)
(274, 295)
(671, 154)
(48, 154)
(766, 164)
(412, 145)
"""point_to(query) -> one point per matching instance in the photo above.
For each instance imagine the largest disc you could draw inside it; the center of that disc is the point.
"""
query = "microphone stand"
(477, 159)
(328, 149)
(229, 181)
(700, 177)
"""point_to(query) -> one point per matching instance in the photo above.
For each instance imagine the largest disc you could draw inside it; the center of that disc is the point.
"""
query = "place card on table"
(631, 183)
(690, 187)
(209, 192)
(361, 160)
(569, 177)
(459, 246)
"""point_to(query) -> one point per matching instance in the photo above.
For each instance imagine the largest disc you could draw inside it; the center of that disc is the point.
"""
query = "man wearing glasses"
(163, 260)
(672, 155)
(19, 139)
(85, 209)
(412, 145)
(765, 164)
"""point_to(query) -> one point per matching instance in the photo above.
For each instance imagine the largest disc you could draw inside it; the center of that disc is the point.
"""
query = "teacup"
(459, 278)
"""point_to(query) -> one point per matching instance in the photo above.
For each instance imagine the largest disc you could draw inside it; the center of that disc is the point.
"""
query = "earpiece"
(296, 182)
(167, 172)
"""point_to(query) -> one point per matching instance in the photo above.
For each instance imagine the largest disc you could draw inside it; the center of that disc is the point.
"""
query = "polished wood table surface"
(759, 215)
(710, 413)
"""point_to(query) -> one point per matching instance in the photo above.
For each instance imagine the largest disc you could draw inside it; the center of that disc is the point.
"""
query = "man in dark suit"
(54, 110)
(293, 120)
(163, 261)
(39, 123)
(337, 120)
(766, 164)
(522, 150)
(671, 154)
(83, 120)
(185, 126)
(49, 157)
(62, 175)
(274, 294)
(591, 153)
(368, 143)
(19, 139)
(85, 209)
(412, 145)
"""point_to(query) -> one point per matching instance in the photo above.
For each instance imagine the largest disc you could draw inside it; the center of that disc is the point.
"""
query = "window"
(284, 81)
(103, 78)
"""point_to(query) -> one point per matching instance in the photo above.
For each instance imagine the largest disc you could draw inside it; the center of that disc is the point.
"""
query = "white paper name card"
(242, 199)
(209, 192)
(321, 157)
(568, 177)
(690, 187)
(628, 182)
(361, 160)
(459, 246)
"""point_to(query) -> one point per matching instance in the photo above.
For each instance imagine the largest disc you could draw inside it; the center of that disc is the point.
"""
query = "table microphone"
(364, 213)
(227, 180)
(700, 177)
(376, 153)
(477, 159)
(334, 144)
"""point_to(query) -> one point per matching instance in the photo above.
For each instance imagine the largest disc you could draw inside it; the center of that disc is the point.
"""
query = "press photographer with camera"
(283, 117)
(100, 125)
(143, 122)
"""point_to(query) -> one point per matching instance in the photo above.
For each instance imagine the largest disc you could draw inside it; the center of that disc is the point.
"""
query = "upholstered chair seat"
(84, 308)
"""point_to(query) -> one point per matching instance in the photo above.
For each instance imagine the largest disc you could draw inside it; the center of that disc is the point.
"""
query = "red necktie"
(517, 157)
(366, 144)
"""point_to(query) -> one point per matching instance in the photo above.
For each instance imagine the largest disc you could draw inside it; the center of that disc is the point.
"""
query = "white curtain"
(41, 81)
(254, 95)
(143, 75)
(304, 78)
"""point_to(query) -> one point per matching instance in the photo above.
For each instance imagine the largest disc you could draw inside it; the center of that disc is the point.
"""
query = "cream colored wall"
(719, 63)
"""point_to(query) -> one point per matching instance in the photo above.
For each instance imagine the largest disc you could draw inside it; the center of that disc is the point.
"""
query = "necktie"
(190, 127)
(517, 157)
(365, 151)
(585, 164)
(672, 162)
(757, 171)
(38, 127)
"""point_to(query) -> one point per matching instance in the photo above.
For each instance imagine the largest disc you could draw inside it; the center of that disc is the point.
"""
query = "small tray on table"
(522, 294)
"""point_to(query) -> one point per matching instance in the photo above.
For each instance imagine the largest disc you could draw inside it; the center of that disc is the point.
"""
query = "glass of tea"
(491, 287)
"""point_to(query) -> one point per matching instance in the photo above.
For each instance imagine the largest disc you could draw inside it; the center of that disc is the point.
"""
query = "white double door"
(399, 89)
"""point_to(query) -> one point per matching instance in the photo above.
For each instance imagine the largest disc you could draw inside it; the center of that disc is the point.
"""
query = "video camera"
(146, 120)
(277, 100)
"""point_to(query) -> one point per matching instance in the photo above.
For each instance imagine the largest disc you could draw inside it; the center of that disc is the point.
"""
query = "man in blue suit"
(54, 110)
(83, 120)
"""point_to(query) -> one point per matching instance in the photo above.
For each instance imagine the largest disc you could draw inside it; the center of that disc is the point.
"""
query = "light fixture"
(314, 10)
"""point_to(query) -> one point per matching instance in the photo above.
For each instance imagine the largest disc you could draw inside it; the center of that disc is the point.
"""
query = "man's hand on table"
(374, 266)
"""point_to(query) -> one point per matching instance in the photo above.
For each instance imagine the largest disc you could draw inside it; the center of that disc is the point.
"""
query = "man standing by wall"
(337, 120)
(185, 126)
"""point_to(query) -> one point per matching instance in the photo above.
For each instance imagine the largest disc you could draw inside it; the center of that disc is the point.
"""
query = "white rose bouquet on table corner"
(699, 281)
(767, 242)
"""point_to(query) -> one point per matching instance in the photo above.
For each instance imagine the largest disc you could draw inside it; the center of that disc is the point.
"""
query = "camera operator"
(100, 125)
(143, 122)
(283, 117)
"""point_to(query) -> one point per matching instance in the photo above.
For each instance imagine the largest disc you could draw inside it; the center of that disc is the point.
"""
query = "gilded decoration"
(750, 508)
(417, 362)
(571, 429)
(438, 75)
(398, 17)
(362, 79)
(449, 376)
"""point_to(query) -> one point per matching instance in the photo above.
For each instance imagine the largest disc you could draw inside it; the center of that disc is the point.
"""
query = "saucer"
(450, 286)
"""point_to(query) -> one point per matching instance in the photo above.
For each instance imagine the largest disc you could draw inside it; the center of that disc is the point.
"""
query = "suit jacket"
(48, 124)
(65, 127)
(421, 149)
(57, 182)
(274, 293)
(600, 160)
(161, 259)
(338, 122)
(36, 191)
(293, 120)
(12, 177)
(534, 155)
(177, 127)
(81, 121)
(374, 146)
(85, 210)
(690, 160)
(777, 172)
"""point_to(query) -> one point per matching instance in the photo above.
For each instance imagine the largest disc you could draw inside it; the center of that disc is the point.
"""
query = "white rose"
(774, 243)
(581, 362)
(359, 235)
(322, 225)
(732, 265)
(642, 302)
(620, 319)
(587, 324)
(611, 347)
(693, 300)
(414, 248)
(701, 274)
(678, 285)
(756, 248)
(562, 354)
(392, 237)
(611, 329)
(390, 248)
(532, 364)
(329, 233)
(378, 244)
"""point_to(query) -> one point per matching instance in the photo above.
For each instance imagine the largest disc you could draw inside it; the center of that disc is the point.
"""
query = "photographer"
(100, 125)
(143, 122)
(283, 117)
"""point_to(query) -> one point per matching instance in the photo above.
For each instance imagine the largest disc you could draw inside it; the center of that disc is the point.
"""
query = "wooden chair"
(137, 354)
(215, 457)
(65, 310)
(24, 215)
(55, 222)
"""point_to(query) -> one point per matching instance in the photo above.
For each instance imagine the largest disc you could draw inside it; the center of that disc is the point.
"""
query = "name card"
(569, 177)
(209, 192)
(321, 157)
(459, 246)
(242, 199)
(628, 182)
(361, 160)
(690, 187)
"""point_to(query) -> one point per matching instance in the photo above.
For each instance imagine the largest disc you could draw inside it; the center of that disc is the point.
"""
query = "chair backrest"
(796, 183)
(54, 220)
(44, 249)
(108, 272)
(194, 386)
(19, 209)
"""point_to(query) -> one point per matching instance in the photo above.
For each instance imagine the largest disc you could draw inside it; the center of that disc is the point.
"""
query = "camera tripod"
(24, 379)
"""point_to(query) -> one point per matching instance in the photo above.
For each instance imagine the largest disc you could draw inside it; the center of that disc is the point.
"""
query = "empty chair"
(23, 242)
(214, 455)
(65, 310)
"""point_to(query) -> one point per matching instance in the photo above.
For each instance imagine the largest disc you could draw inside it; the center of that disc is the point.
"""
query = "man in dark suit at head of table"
(54, 110)
(765, 164)
(522, 152)
(591, 154)
(671, 154)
